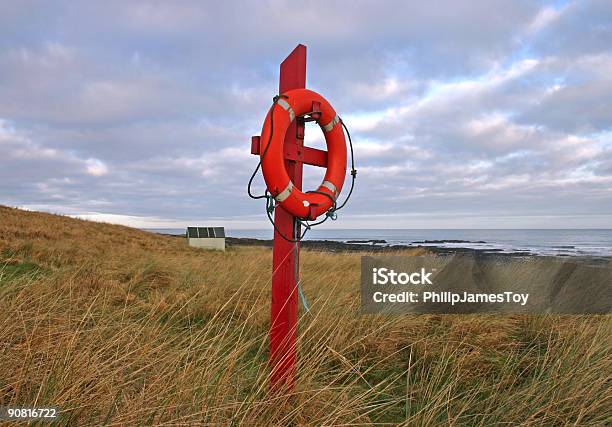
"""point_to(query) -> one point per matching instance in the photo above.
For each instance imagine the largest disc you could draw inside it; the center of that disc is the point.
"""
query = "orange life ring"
(292, 104)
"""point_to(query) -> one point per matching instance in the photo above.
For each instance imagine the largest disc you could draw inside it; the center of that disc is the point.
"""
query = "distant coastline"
(381, 246)
(370, 246)
(558, 243)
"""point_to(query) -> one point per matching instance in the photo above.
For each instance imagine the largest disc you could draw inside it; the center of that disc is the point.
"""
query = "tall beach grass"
(117, 326)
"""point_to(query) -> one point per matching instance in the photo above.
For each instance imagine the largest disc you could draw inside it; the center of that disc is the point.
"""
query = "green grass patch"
(15, 271)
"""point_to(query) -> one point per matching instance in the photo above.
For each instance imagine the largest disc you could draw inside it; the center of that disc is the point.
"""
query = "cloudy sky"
(481, 114)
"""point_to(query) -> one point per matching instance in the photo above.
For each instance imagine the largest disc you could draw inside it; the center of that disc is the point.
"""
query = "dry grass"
(122, 327)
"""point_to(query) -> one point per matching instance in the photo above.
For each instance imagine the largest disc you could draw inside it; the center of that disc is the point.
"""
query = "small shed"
(206, 237)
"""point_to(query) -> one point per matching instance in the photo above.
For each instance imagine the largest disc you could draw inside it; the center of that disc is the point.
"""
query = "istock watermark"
(482, 284)
(382, 276)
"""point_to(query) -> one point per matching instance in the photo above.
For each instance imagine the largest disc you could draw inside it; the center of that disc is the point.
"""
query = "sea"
(564, 242)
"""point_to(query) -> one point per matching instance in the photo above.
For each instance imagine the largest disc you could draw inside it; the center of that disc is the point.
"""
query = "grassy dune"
(122, 327)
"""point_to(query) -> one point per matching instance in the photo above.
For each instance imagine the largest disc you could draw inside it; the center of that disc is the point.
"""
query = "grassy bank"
(122, 327)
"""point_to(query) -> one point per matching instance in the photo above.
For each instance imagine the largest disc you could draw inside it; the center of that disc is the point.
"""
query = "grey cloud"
(583, 28)
(577, 98)
(147, 108)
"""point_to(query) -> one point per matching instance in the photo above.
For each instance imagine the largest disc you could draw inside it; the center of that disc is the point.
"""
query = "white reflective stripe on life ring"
(285, 105)
(328, 127)
(282, 196)
(330, 186)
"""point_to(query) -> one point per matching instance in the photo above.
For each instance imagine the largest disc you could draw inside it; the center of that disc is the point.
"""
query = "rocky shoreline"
(430, 246)
(377, 246)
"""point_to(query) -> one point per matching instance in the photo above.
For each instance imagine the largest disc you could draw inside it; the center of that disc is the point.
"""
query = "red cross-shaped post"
(283, 327)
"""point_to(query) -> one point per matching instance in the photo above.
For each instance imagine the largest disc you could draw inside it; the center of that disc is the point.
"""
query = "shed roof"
(205, 232)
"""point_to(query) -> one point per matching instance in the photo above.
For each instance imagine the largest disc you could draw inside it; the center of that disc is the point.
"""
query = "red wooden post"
(285, 258)
(283, 329)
